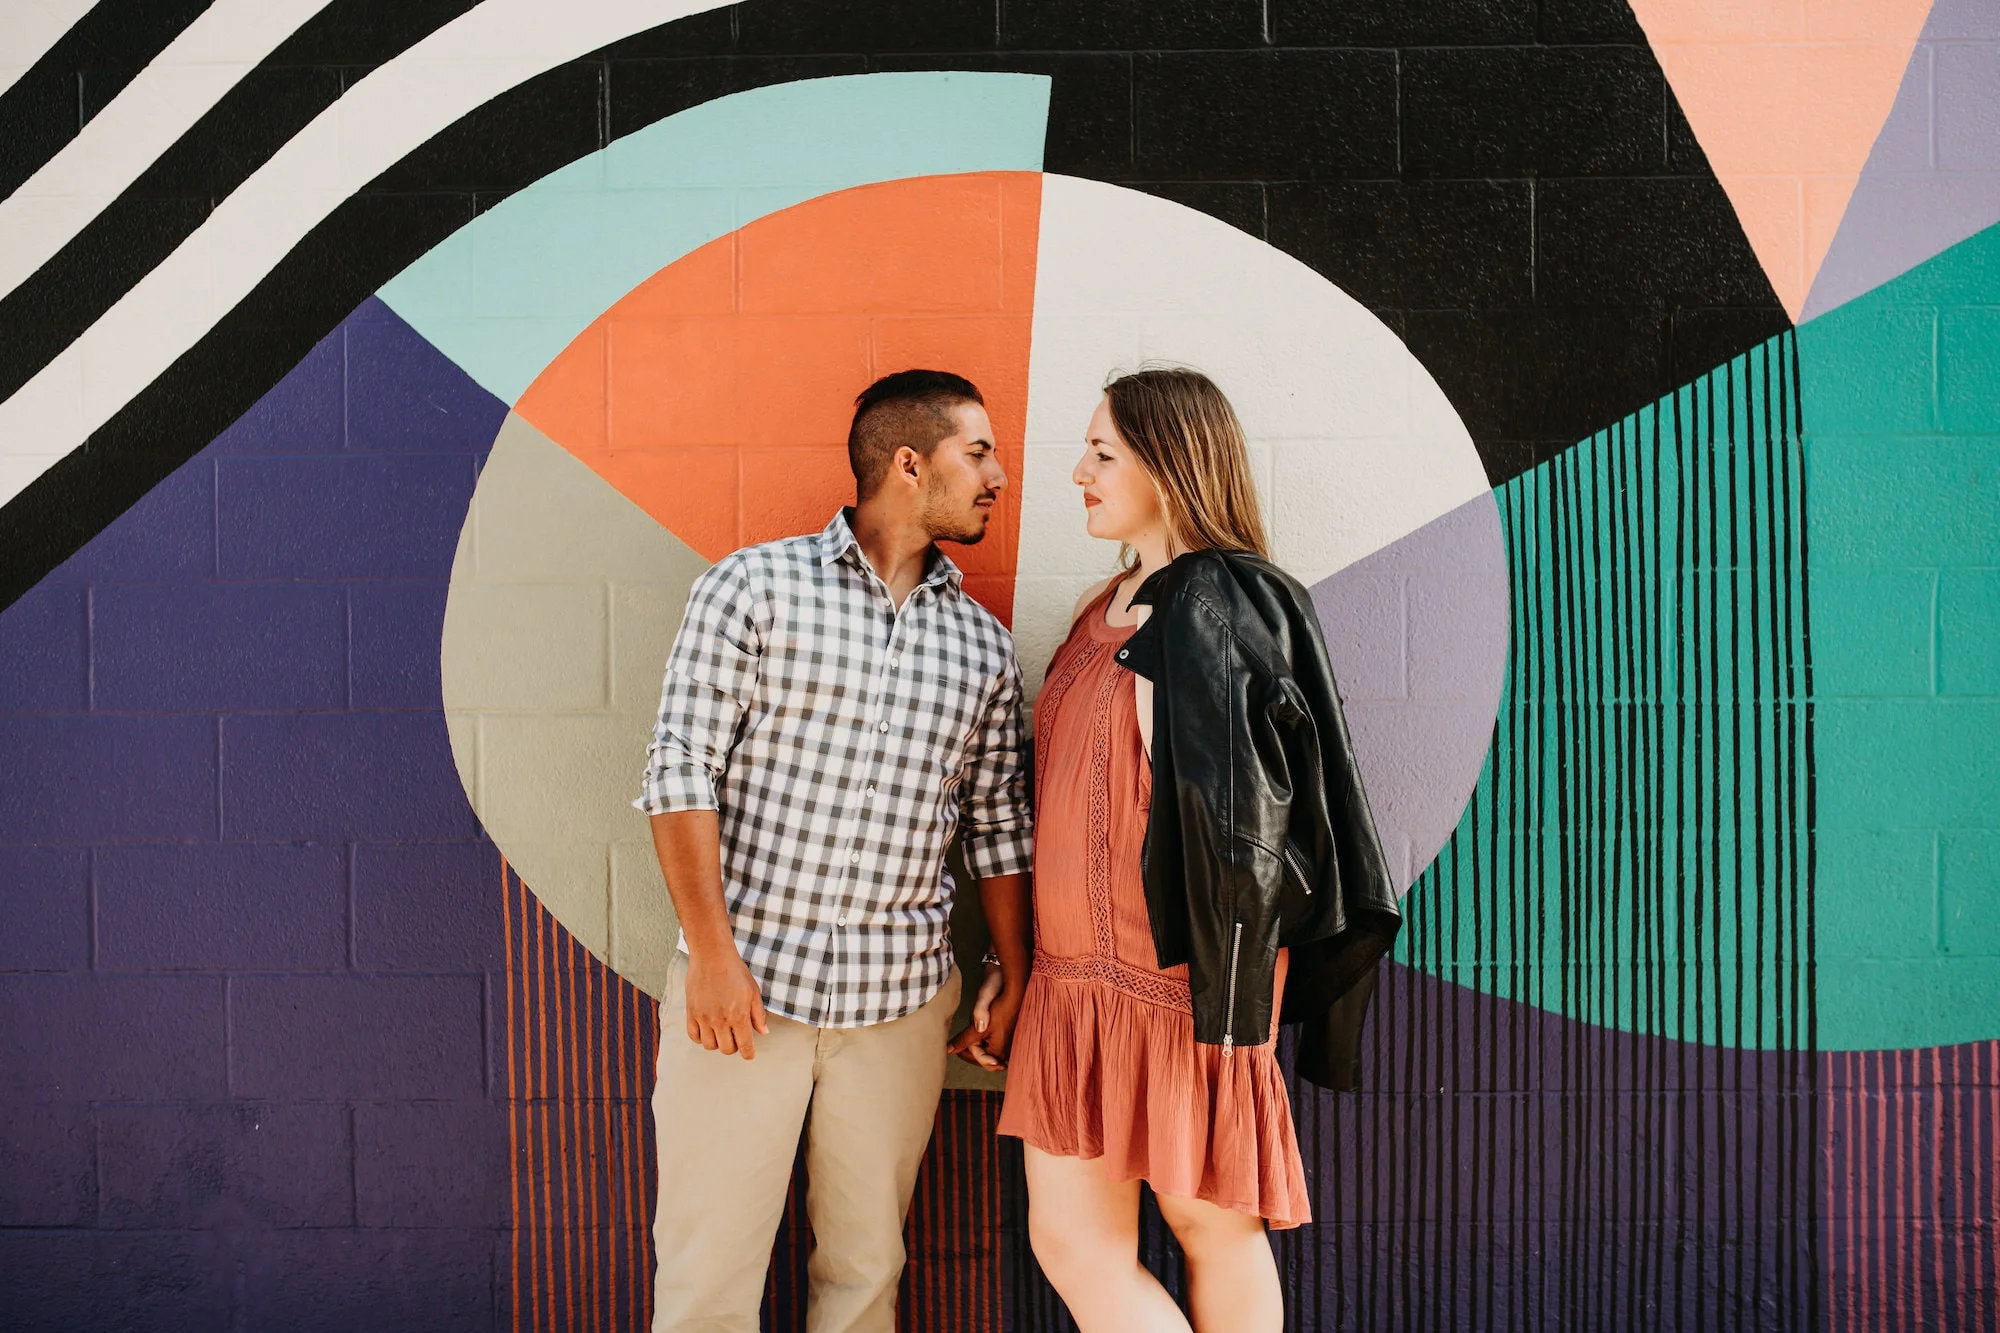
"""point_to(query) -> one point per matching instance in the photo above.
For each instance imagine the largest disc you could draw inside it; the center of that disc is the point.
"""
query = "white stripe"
(156, 108)
(31, 28)
(398, 107)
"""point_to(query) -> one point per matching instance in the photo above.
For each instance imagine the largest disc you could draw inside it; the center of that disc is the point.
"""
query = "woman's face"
(1120, 503)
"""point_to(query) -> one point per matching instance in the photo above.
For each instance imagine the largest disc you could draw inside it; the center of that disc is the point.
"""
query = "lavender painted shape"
(1933, 176)
(1418, 637)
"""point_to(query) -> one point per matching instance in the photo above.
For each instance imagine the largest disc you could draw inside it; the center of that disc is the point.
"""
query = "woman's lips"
(1091, 502)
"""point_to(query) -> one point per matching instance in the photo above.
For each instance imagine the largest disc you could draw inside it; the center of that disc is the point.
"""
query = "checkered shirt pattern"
(841, 743)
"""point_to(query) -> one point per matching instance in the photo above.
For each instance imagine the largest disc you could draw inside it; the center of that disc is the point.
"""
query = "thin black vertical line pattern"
(1517, 651)
(1537, 1163)
(1795, 699)
(1629, 625)
(1587, 499)
(1810, 773)
(1472, 1084)
(1523, 1115)
(1563, 761)
(1700, 862)
(1585, 857)
(1612, 745)
(1679, 787)
(1733, 455)
(1651, 580)
(1759, 525)
(1712, 693)
(1598, 899)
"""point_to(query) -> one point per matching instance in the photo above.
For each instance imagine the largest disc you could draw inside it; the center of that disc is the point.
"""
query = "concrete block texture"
(383, 1037)
(83, 779)
(224, 1166)
(48, 1160)
(45, 898)
(76, 1037)
(431, 1164)
(207, 647)
(221, 906)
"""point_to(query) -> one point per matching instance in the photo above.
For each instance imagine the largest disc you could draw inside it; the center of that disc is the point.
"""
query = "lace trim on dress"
(1167, 992)
(1097, 875)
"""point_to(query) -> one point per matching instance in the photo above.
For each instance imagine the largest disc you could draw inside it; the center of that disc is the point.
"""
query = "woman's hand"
(986, 1042)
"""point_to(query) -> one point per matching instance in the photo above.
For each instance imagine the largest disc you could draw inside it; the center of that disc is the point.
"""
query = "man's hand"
(725, 1010)
(987, 1041)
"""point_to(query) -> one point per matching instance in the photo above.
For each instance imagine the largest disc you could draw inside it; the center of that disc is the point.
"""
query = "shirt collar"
(837, 538)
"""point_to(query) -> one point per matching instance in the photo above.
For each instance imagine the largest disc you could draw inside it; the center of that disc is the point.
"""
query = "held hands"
(725, 1010)
(985, 1043)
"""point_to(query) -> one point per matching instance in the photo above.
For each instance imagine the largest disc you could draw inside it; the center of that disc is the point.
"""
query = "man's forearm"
(1005, 901)
(689, 844)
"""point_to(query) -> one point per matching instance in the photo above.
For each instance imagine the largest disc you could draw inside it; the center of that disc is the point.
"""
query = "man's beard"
(945, 522)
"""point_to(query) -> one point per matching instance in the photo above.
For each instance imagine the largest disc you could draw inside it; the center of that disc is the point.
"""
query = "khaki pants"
(728, 1132)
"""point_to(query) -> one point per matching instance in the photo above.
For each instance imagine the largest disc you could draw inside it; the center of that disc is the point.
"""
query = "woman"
(1144, 1048)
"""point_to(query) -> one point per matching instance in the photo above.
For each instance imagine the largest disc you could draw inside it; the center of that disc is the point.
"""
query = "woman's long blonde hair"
(1183, 431)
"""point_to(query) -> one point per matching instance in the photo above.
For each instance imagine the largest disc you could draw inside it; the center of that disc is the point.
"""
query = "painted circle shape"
(707, 408)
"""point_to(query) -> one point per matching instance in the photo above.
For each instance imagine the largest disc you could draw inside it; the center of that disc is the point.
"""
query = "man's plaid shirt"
(841, 743)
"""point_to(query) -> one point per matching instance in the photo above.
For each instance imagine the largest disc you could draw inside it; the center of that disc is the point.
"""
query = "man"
(834, 706)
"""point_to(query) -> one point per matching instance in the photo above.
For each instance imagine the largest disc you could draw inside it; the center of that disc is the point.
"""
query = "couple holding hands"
(836, 709)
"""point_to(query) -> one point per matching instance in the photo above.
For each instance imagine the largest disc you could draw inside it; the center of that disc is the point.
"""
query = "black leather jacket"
(1260, 836)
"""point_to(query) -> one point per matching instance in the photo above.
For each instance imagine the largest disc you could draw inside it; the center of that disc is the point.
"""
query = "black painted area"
(1507, 183)
(302, 77)
(101, 53)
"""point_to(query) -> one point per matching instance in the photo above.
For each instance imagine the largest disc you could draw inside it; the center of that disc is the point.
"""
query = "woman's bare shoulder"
(1091, 594)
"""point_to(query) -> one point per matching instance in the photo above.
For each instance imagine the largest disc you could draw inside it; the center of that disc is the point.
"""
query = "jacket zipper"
(1229, 1029)
(1298, 871)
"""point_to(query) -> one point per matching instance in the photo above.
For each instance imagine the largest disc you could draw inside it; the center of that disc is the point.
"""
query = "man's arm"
(710, 679)
(1004, 900)
(998, 844)
(724, 1007)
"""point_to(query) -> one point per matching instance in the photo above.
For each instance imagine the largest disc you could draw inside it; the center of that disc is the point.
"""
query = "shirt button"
(840, 921)
(893, 661)
(871, 791)
(882, 727)
(1123, 653)
(854, 857)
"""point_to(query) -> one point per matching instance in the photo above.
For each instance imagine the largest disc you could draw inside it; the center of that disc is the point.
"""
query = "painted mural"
(376, 379)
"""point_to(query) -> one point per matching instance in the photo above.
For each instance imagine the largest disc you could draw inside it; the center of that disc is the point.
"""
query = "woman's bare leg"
(1085, 1231)
(1232, 1276)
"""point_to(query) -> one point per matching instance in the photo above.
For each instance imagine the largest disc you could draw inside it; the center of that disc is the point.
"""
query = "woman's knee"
(1063, 1246)
(1204, 1228)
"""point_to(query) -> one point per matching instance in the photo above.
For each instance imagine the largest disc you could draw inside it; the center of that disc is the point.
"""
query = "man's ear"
(907, 465)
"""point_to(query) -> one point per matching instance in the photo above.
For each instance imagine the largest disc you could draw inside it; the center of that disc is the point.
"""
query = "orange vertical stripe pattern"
(580, 1048)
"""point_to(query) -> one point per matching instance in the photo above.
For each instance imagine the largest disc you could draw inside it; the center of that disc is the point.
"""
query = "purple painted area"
(428, 1165)
(47, 1163)
(221, 906)
(210, 647)
(452, 925)
(378, 1037)
(240, 1164)
(83, 1037)
(1422, 721)
(342, 1281)
(45, 903)
(1933, 176)
(1622, 1181)
(244, 937)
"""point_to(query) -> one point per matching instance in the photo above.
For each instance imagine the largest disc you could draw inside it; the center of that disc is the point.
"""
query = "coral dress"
(1104, 1061)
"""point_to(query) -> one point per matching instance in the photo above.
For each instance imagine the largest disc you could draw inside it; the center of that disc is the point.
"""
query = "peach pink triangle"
(1786, 98)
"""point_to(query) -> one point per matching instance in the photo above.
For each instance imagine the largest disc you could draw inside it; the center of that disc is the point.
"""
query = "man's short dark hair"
(910, 407)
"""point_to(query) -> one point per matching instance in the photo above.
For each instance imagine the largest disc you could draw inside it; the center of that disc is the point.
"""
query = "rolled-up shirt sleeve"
(996, 826)
(710, 680)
